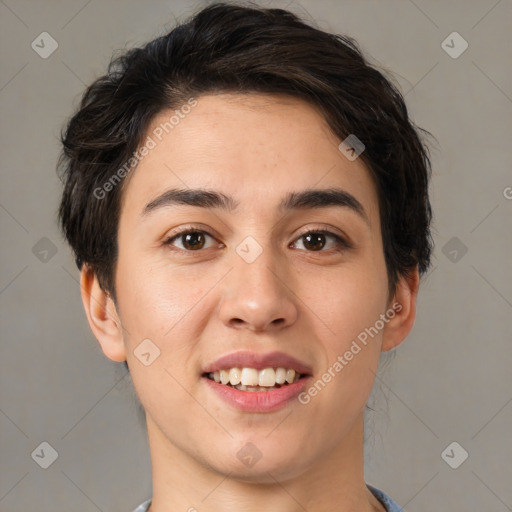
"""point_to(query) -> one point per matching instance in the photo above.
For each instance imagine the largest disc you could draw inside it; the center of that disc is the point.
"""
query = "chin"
(263, 465)
(266, 474)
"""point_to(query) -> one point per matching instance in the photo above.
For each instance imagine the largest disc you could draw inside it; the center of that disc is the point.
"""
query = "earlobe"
(404, 306)
(102, 316)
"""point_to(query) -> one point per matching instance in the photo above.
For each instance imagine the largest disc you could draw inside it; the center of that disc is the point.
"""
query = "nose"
(258, 296)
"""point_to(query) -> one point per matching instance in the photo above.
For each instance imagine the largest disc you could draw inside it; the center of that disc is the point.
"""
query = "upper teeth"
(267, 377)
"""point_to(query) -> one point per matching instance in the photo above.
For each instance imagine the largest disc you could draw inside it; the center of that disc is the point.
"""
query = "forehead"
(253, 147)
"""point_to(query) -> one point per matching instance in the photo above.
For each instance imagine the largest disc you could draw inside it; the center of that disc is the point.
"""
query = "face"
(288, 283)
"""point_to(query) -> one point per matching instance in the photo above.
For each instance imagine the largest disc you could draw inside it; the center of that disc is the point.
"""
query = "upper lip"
(246, 359)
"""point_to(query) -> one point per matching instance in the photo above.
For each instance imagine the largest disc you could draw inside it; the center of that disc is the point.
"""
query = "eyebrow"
(303, 200)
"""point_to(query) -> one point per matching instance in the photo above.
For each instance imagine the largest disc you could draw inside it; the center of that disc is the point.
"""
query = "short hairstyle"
(227, 48)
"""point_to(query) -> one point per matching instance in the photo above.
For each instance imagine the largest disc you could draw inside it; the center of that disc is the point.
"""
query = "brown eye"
(191, 240)
(317, 241)
(314, 241)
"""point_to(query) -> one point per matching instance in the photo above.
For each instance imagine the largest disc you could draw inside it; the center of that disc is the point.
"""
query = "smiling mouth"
(251, 379)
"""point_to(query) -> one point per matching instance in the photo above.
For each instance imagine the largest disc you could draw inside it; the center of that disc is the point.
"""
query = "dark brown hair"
(240, 49)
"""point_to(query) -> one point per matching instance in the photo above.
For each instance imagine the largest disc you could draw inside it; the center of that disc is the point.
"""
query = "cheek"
(351, 350)
(350, 304)
(157, 302)
(348, 300)
(154, 298)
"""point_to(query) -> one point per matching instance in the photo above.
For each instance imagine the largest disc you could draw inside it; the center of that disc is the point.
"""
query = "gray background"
(449, 382)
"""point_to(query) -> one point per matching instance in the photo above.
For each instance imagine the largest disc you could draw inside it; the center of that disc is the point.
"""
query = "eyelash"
(341, 242)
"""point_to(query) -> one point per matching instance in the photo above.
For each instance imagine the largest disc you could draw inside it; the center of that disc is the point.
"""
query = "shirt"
(389, 504)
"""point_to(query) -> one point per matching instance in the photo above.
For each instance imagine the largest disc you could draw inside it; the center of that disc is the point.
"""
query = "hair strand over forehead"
(237, 49)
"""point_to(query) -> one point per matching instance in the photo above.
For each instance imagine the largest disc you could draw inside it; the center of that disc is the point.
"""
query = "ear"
(102, 316)
(404, 306)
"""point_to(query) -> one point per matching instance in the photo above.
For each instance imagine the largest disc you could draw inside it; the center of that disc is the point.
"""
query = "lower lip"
(258, 401)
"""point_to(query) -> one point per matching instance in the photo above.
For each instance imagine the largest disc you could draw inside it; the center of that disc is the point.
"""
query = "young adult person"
(247, 200)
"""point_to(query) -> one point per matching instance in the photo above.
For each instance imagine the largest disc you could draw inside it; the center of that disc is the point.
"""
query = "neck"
(333, 482)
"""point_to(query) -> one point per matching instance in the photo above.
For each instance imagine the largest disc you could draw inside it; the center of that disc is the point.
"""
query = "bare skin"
(197, 303)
